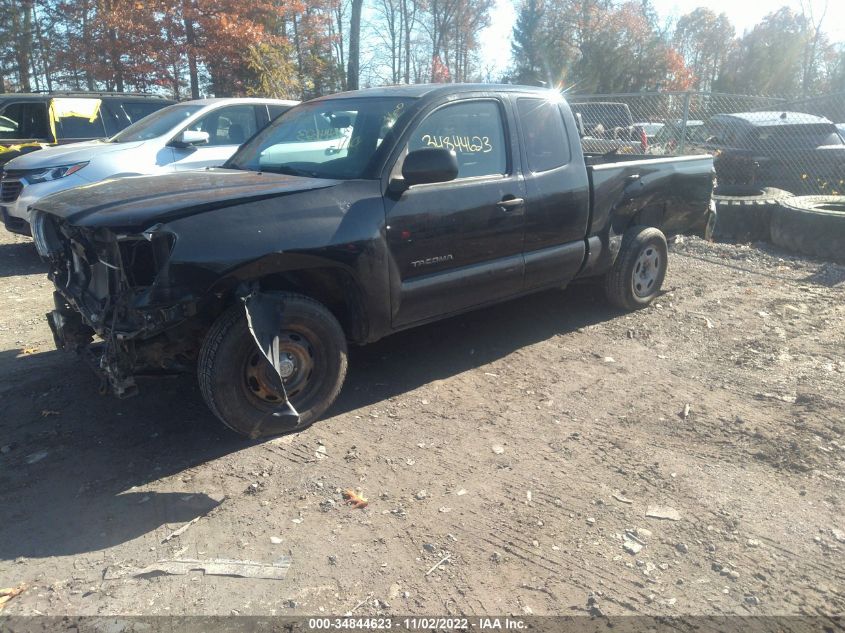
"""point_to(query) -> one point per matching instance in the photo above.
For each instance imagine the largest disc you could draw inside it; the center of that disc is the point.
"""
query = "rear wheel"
(640, 267)
(243, 390)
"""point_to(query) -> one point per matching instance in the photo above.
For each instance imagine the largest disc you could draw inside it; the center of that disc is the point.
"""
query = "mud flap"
(265, 318)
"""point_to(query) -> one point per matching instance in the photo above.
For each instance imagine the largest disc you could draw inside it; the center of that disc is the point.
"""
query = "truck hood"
(67, 154)
(136, 203)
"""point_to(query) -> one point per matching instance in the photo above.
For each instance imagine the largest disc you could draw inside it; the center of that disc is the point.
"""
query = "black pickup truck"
(436, 200)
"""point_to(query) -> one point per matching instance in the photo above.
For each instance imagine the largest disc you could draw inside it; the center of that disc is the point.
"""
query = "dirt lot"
(525, 442)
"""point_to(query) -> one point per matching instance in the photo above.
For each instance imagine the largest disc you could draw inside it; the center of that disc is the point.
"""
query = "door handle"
(509, 204)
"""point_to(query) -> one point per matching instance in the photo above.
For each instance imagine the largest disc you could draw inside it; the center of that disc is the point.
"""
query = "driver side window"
(473, 130)
(231, 125)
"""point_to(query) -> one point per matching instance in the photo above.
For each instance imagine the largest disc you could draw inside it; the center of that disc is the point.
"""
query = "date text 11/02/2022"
(418, 623)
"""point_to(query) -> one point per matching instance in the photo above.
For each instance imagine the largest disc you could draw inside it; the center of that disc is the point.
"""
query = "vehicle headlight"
(54, 173)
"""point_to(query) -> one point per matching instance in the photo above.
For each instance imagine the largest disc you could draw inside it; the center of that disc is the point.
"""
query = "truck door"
(458, 244)
(557, 204)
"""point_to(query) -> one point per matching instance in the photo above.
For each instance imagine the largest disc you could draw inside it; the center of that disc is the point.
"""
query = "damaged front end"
(115, 288)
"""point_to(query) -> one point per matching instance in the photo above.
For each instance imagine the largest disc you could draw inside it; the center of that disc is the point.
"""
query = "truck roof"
(774, 118)
(432, 90)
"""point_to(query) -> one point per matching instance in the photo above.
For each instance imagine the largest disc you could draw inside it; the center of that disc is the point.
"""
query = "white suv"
(189, 135)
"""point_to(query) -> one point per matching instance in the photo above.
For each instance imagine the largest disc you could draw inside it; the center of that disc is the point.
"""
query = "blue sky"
(495, 49)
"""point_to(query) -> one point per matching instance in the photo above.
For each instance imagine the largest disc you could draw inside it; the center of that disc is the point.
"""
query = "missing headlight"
(45, 236)
(143, 258)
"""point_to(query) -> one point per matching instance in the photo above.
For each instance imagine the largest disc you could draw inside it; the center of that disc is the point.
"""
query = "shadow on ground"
(20, 258)
(72, 457)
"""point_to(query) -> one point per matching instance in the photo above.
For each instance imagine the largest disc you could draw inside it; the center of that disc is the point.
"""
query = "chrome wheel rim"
(646, 271)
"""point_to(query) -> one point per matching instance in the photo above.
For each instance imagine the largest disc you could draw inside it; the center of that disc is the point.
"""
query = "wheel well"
(649, 216)
(333, 287)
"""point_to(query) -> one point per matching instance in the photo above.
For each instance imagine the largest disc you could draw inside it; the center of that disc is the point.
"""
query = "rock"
(682, 548)
(752, 542)
(839, 535)
(496, 557)
(332, 560)
(275, 540)
(716, 567)
(643, 533)
(461, 492)
(445, 509)
(431, 548)
(394, 591)
(631, 546)
(327, 504)
(663, 512)
(733, 574)
(591, 520)
(622, 499)
(752, 600)
(422, 494)
(498, 449)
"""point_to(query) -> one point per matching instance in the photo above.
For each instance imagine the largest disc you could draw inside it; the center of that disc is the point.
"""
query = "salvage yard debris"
(355, 499)
(219, 567)
(9, 593)
(663, 512)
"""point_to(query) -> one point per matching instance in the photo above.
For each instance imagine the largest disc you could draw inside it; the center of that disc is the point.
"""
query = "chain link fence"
(757, 142)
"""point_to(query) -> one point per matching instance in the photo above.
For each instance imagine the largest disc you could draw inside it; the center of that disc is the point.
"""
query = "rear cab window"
(546, 143)
(474, 130)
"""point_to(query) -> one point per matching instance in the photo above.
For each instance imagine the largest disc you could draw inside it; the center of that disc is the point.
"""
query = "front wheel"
(640, 267)
(243, 390)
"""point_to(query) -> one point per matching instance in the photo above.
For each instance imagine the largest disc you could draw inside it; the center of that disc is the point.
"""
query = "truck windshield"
(156, 124)
(334, 138)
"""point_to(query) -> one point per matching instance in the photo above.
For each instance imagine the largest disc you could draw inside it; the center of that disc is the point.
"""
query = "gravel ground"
(530, 449)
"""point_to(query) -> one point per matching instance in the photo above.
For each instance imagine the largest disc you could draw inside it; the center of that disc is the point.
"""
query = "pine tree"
(528, 44)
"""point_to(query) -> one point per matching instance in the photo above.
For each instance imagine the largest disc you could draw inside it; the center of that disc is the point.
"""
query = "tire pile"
(810, 225)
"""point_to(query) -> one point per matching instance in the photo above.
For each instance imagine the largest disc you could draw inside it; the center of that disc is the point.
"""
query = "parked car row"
(190, 135)
(799, 152)
(347, 218)
(33, 121)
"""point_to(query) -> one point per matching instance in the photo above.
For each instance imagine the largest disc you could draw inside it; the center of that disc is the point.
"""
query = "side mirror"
(579, 122)
(190, 138)
(428, 165)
